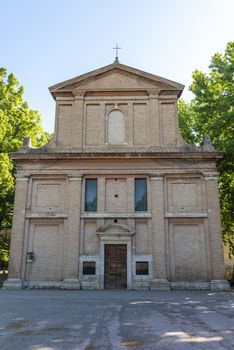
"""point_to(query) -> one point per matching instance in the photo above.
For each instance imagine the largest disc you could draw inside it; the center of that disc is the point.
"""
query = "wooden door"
(115, 266)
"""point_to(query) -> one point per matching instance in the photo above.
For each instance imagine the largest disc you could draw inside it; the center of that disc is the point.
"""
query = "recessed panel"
(90, 237)
(187, 243)
(48, 196)
(142, 236)
(93, 125)
(169, 127)
(140, 124)
(184, 194)
(116, 195)
(47, 247)
(64, 125)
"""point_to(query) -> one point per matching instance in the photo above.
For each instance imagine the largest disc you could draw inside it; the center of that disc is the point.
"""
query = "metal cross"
(116, 53)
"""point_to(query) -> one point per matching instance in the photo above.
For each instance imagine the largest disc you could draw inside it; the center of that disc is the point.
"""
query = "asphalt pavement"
(116, 320)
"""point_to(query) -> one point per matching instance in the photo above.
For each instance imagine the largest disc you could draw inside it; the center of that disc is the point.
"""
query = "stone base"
(70, 283)
(160, 284)
(12, 283)
(190, 285)
(42, 284)
(90, 284)
(219, 286)
(140, 283)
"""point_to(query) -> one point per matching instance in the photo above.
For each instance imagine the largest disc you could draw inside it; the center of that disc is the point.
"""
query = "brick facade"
(115, 125)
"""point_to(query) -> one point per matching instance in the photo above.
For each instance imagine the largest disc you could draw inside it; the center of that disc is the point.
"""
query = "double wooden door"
(115, 266)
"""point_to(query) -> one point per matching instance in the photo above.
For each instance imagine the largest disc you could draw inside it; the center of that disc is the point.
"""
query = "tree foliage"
(4, 249)
(17, 121)
(211, 112)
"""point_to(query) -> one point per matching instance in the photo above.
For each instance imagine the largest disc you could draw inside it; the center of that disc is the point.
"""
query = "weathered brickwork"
(116, 125)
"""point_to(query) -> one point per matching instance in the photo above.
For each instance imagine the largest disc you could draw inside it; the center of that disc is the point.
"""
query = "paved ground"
(115, 320)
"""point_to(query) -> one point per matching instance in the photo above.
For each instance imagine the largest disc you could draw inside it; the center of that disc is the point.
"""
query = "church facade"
(116, 199)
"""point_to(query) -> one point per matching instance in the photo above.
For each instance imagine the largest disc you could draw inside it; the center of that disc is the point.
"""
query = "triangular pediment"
(117, 77)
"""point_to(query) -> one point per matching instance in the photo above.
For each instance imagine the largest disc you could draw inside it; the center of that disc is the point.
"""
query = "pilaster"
(154, 117)
(130, 194)
(101, 194)
(158, 234)
(71, 280)
(77, 122)
(15, 276)
(214, 226)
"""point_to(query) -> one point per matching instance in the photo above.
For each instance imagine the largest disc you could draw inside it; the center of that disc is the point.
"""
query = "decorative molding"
(64, 99)
(208, 178)
(75, 177)
(117, 98)
(202, 214)
(153, 93)
(79, 94)
(116, 229)
(22, 178)
(156, 177)
(103, 215)
(210, 175)
(45, 216)
(20, 175)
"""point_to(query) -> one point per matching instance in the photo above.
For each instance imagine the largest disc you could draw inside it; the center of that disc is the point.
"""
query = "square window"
(142, 268)
(89, 267)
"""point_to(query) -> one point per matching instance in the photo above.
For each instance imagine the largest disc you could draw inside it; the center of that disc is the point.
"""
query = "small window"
(89, 267)
(140, 195)
(91, 195)
(142, 268)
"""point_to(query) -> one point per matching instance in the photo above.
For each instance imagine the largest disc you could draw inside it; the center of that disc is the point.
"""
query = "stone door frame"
(116, 234)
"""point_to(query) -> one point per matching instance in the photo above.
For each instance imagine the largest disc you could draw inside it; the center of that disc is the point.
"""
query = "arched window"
(116, 127)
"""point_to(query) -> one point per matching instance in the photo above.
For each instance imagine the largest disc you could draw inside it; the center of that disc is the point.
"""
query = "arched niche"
(116, 127)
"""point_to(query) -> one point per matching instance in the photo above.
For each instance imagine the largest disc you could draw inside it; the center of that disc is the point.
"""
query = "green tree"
(211, 112)
(17, 121)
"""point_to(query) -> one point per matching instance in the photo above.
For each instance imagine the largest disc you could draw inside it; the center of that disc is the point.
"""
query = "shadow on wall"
(229, 266)
(4, 254)
(3, 276)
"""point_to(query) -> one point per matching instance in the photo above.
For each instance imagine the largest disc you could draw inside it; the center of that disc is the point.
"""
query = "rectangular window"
(91, 195)
(142, 268)
(89, 267)
(140, 195)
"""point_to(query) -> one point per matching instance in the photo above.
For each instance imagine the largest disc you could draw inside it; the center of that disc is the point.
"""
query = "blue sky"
(44, 42)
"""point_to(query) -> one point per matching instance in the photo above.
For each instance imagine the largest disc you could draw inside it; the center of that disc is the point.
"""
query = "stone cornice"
(127, 215)
(70, 155)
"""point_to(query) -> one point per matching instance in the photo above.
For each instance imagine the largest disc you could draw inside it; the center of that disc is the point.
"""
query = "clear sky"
(44, 42)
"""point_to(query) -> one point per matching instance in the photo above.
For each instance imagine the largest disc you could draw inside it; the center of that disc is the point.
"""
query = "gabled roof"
(154, 80)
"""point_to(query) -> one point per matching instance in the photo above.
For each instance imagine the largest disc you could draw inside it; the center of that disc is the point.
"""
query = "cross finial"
(116, 53)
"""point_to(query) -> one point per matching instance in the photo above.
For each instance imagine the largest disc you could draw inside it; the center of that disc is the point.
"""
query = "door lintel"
(116, 230)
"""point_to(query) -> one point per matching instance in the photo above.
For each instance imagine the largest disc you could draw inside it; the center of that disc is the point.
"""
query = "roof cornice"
(29, 156)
